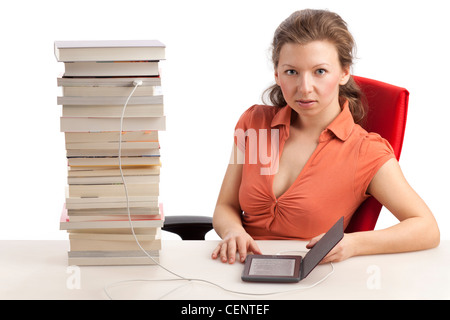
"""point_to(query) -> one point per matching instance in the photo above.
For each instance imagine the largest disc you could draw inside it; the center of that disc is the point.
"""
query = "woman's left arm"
(417, 228)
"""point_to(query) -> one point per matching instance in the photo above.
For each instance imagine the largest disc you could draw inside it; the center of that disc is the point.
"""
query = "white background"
(218, 64)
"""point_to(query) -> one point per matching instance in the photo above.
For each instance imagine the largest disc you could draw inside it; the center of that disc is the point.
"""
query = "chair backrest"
(388, 108)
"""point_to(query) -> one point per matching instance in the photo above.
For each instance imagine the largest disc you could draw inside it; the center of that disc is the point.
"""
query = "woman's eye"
(321, 72)
(290, 72)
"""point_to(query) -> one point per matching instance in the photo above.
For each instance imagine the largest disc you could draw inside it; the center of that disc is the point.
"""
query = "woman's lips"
(305, 103)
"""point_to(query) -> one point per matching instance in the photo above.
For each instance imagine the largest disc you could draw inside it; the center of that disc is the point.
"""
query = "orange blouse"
(332, 184)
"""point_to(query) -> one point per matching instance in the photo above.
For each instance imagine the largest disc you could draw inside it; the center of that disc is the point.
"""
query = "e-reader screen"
(272, 268)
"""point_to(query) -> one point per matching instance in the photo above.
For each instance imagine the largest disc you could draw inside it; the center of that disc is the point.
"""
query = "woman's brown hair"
(309, 25)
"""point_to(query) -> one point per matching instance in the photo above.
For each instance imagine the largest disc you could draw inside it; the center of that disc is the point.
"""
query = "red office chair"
(388, 106)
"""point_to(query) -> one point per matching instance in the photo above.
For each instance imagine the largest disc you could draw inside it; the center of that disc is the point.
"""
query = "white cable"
(217, 285)
(136, 84)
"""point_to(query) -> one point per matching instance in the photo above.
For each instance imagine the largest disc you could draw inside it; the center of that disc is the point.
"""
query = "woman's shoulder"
(373, 152)
(372, 142)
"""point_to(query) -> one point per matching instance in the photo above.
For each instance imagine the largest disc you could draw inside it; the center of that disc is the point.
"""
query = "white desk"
(38, 270)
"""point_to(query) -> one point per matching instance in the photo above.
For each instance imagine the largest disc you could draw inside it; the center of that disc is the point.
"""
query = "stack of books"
(96, 84)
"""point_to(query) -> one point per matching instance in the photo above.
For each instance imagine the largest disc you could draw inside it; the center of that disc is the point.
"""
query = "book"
(113, 111)
(117, 231)
(113, 145)
(111, 171)
(109, 207)
(143, 146)
(109, 50)
(111, 149)
(113, 190)
(114, 161)
(123, 223)
(111, 136)
(119, 200)
(84, 207)
(115, 234)
(89, 153)
(97, 91)
(105, 101)
(136, 210)
(95, 124)
(136, 199)
(64, 81)
(109, 217)
(111, 68)
(112, 180)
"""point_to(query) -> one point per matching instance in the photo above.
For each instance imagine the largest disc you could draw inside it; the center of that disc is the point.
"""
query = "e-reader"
(284, 268)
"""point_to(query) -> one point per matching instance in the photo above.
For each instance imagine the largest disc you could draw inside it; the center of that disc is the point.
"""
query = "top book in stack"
(113, 50)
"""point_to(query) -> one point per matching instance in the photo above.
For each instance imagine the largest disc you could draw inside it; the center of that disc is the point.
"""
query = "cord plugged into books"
(136, 84)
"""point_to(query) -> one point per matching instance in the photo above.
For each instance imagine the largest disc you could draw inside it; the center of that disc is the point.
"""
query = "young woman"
(305, 162)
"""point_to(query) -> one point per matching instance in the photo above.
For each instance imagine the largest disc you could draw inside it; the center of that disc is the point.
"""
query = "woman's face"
(309, 76)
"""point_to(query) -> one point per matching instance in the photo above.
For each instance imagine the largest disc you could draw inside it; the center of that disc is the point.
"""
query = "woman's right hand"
(235, 241)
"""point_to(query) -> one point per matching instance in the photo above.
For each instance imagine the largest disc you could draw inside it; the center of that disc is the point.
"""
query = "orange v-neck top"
(332, 184)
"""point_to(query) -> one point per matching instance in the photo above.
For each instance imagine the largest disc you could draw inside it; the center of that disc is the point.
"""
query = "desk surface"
(39, 270)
